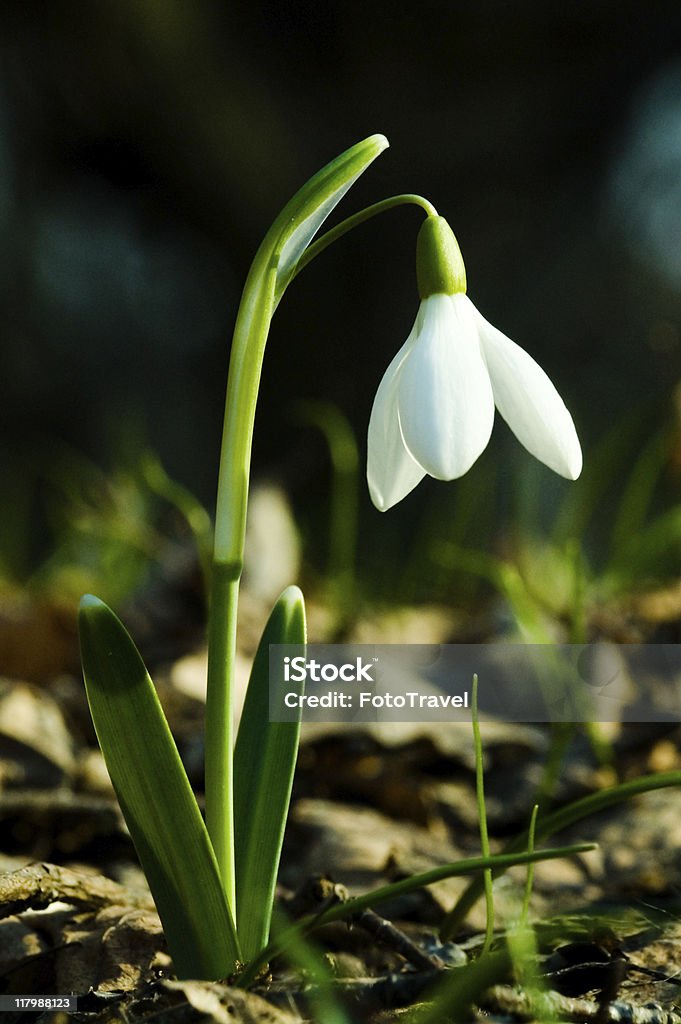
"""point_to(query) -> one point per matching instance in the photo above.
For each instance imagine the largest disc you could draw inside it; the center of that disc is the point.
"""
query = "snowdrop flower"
(434, 408)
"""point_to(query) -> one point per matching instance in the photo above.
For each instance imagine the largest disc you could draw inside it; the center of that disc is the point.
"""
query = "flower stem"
(358, 218)
(248, 346)
(281, 255)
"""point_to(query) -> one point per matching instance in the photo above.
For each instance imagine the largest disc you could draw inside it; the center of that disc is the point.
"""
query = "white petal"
(391, 471)
(529, 402)
(445, 396)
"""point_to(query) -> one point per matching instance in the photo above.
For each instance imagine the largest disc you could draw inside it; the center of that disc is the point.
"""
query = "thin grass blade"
(555, 822)
(370, 900)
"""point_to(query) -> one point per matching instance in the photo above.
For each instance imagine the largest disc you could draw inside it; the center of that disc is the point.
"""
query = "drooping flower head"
(434, 408)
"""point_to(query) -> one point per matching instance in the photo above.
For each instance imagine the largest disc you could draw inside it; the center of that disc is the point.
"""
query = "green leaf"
(156, 799)
(264, 764)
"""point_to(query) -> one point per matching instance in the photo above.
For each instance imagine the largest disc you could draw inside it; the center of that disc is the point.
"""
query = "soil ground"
(370, 805)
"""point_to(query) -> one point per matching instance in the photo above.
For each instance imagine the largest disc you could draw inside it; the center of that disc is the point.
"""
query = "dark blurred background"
(146, 147)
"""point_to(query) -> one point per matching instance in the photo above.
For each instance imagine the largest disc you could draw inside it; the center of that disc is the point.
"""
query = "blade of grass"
(525, 909)
(156, 799)
(554, 822)
(654, 550)
(472, 865)
(264, 763)
(193, 512)
(482, 818)
(453, 997)
(305, 956)
(344, 500)
(636, 499)
(607, 463)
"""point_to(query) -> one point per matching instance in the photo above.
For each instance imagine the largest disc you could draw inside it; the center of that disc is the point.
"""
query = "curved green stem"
(341, 229)
(248, 346)
(273, 267)
(261, 294)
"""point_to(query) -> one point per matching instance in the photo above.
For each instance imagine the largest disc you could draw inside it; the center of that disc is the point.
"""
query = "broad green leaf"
(264, 763)
(156, 799)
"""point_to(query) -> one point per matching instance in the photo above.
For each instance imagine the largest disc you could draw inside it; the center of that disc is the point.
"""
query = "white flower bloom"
(434, 408)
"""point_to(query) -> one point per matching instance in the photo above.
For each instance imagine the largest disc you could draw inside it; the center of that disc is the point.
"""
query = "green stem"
(245, 366)
(248, 347)
(219, 726)
(358, 218)
(275, 264)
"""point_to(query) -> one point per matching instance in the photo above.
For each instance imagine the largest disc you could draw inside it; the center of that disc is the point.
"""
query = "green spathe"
(439, 263)
(305, 213)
